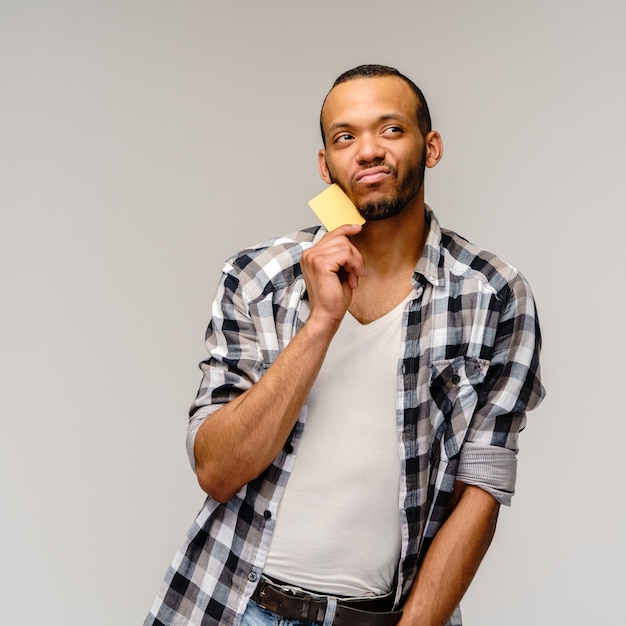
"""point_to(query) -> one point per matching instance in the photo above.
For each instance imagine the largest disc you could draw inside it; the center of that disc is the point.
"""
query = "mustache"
(371, 166)
(379, 166)
(392, 170)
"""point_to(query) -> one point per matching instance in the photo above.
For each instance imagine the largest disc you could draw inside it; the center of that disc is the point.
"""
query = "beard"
(397, 201)
(395, 204)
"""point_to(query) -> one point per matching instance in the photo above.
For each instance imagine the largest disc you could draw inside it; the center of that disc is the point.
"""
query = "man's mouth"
(372, 175)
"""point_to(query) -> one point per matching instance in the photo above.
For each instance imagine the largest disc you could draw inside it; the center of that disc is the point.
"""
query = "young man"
(357, 424)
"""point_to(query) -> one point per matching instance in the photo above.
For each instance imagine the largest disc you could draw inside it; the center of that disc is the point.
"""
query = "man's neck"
(395, 244)
(391, 249)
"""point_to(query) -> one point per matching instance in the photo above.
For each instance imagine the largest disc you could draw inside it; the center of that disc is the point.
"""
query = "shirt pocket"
(454, 385)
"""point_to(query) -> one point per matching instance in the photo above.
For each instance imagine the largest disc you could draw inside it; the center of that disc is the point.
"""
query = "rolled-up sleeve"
(234, 361)
(511, 387)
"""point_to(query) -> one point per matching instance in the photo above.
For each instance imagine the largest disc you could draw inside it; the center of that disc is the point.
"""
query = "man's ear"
(434, 148)
(323, 166)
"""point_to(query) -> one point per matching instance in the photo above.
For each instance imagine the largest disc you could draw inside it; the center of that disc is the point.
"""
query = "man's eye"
(393, 130)
(343, 137)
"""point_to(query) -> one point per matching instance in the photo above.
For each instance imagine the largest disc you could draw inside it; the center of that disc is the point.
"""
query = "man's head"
(374, 71)
(377, 140)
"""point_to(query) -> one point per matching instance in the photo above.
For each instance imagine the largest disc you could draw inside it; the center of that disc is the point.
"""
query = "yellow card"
(335, 209)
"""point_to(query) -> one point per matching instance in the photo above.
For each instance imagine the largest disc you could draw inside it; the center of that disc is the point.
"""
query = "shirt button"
(252, 577)
(289, 448)
(267, 514)
(456, 379)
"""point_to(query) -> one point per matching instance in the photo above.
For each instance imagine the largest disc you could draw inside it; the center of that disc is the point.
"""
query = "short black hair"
(375, 71)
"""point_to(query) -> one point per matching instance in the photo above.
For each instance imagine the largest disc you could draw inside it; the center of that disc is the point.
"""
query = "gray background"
(143, 142)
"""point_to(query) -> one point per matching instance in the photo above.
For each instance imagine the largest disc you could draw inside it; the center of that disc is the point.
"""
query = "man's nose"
(369, 149)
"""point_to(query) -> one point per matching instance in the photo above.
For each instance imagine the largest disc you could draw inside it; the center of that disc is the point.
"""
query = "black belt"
(299, 605)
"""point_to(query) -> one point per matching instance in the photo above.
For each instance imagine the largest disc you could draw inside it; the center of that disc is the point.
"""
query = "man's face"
(374, 148)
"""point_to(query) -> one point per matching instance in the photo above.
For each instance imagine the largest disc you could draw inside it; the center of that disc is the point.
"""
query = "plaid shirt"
(468, 371)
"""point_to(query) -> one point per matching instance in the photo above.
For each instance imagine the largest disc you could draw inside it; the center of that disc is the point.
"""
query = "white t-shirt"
(338, 524)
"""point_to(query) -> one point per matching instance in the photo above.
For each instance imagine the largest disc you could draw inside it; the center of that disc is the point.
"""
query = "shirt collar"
(430, 265)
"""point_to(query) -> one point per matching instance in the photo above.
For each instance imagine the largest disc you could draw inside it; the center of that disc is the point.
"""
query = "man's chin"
(376, 211)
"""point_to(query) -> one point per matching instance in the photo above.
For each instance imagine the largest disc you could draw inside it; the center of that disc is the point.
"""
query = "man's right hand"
(331, 270)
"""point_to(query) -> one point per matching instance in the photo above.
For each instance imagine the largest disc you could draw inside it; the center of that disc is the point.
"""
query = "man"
(357, 423)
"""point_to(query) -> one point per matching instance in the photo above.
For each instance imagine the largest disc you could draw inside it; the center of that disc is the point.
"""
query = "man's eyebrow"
(337, 125)
(393, 116)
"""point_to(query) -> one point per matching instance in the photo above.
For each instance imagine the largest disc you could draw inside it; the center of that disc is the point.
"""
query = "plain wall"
(142, 142)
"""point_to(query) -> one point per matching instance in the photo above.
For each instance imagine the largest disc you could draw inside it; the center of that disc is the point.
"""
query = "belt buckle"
(291, 604)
